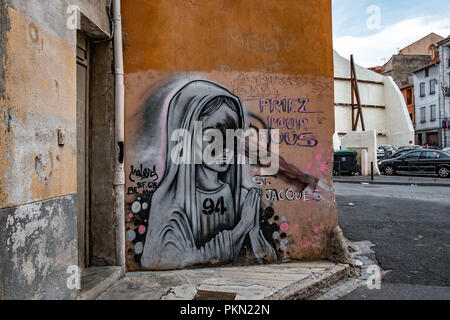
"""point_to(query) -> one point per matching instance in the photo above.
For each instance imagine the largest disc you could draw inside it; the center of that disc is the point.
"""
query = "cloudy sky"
(374, 30)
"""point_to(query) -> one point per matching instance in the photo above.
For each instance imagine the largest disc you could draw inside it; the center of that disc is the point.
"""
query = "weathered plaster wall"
(39, 98)
(199, 35)
(256, 52)
(52, 15)
(38, 244)
(38, 177)
(401, 67)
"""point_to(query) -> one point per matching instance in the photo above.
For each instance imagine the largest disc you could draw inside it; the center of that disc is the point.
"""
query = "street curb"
(419, 184)
(312, 286)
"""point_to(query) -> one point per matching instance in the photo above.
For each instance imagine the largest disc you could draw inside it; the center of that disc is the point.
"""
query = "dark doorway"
(433, 139)
(83, 192)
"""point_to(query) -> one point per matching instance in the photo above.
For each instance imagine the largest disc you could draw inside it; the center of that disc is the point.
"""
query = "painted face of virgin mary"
(223, 119)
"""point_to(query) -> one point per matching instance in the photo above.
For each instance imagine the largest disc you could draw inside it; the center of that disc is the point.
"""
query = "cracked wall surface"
(39, 245)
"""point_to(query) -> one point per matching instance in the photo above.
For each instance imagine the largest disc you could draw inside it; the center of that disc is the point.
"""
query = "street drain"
(214, 295)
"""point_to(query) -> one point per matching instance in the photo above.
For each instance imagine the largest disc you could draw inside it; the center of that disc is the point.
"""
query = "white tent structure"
(384, 108)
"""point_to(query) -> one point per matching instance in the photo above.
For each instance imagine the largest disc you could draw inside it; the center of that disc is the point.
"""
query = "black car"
(400, 153)
(384, 152)
(419, 161)
(397, 154)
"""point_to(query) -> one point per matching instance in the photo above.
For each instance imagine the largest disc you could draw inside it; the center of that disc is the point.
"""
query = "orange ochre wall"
(40, 96)
(260, 51)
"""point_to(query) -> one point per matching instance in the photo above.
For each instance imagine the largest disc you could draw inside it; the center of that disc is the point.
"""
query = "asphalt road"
(410, 227)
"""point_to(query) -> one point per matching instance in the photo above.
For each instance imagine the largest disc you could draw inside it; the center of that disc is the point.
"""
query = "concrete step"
(96, 280)
(296, 280)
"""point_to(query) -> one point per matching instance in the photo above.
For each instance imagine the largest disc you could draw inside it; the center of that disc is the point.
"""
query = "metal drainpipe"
(119, 173)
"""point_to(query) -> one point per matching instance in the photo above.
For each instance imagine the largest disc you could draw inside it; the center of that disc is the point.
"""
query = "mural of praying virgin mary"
(201, 213)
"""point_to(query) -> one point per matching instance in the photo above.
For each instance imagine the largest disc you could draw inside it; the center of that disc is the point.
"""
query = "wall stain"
(43, 166)
(34, 33)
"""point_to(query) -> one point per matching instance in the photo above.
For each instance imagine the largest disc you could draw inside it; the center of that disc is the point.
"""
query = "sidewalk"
(395, 180)
(300, 280)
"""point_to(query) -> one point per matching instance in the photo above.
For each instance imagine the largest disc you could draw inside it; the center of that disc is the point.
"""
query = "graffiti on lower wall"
(198, 213)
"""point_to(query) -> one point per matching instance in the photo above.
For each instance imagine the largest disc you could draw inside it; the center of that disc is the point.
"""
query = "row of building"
(406, 99)
(422, 72)
(383, 107)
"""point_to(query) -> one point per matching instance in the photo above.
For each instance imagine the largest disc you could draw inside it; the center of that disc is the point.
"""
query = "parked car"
(446, 150)
(386, 147)
(384, 151)
(407, 147)
(399, 153)
(423, 161)
(429, 147)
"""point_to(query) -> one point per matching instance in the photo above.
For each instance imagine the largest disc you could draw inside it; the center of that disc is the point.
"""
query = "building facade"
(424, 46)
(402, 66)
(427, 105)
(444, 90)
